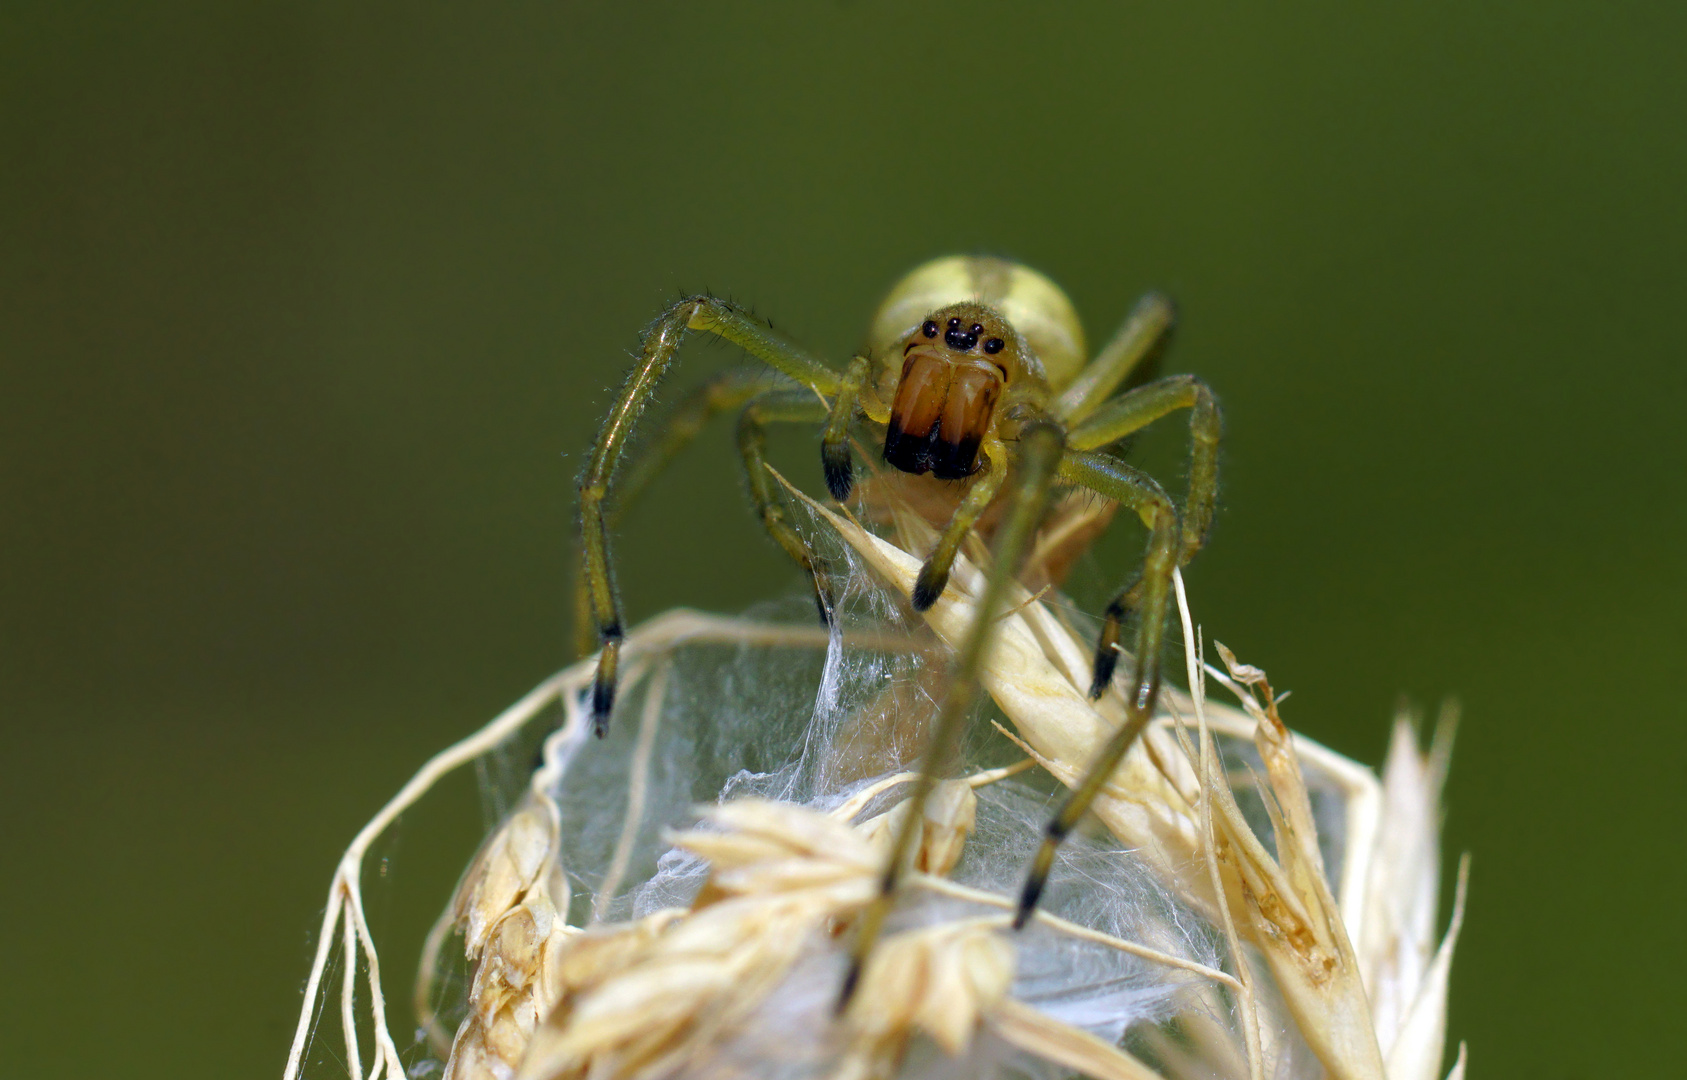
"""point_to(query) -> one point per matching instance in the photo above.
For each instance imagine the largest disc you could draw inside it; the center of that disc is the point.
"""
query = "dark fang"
(839, 472)
(931, 453)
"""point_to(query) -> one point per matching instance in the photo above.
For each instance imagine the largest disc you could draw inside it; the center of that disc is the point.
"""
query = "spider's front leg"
(661, 340)
(726, 391)
(1040, 445)
(1173, 540)
(1140, 492)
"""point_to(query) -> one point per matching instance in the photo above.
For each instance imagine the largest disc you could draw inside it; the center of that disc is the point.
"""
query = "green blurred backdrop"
(307, 313)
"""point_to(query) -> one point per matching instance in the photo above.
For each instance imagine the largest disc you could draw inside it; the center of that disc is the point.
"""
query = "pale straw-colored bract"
(677, 900)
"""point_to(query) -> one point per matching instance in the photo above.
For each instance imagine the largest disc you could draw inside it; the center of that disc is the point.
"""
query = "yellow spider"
(975, 372)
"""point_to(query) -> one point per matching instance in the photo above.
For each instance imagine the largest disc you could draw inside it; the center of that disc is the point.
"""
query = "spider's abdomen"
(1035, 306)
(941, 413)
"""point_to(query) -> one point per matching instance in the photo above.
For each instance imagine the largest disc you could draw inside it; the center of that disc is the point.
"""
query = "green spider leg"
(1123, 416)
(1133, 351)
(723, 393)
(661, 341)
(795, 406)
(981, 492)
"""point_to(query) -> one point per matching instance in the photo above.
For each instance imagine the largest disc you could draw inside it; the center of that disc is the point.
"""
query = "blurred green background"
(307, 313)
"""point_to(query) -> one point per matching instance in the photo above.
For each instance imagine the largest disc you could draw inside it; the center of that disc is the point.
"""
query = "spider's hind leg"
(782, 406)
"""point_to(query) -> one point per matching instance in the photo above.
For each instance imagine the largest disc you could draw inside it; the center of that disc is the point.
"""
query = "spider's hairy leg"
(726, 391)
(781, 406)
(661, 340)
(1132, 352)
(1041, 443)
(834, 439)
(934, 574)
(1138, 491)
(1136, 409)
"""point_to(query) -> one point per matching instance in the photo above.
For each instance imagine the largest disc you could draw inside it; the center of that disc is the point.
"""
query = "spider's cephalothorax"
(953, 339)
(975, 370)
(954, 369)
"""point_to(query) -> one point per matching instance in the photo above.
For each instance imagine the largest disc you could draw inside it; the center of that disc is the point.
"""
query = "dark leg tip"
(927, 588)
(840, 475)
(1105, 662)
(603, 703)
(846, 993)
(1027, 902)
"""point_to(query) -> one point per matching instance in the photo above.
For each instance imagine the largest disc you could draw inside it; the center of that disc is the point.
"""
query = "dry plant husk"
(678, 900)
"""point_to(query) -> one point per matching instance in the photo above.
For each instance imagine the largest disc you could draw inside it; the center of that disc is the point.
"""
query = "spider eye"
(975, 329)
(954, 324)
(929, 329)
(994, 345)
